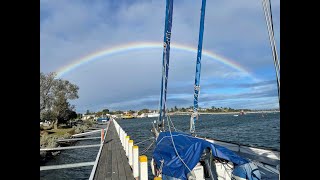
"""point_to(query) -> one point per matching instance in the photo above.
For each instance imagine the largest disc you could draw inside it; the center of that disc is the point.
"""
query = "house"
(88, 116)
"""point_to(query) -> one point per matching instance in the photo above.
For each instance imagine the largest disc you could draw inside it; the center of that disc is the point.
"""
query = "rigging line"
(269, 21)
(145, 150)
(174, 147)
(170, 120)
(270, 12)
(226, 169)
(144, 141)
(268, 16)
(272, 43)
(271, 35)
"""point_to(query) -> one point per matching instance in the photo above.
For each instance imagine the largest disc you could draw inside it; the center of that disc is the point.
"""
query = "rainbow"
(124, 48)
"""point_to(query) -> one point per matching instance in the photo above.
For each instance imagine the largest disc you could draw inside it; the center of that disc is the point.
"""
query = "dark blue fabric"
(190, 150)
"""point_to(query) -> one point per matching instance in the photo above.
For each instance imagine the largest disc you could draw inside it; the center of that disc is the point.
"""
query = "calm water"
(251, 129)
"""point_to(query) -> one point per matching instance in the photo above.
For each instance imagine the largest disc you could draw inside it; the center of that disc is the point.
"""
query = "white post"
(120, 136)
(135, 160)
(130, 152)
(124, 141)
(143, 167)
(127, 145)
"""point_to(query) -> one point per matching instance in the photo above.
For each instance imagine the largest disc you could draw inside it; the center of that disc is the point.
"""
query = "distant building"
(88, 116)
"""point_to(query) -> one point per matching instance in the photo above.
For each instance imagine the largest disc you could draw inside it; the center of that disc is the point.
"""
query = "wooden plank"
(108, 170)
(115, 172)
(100, 170)
(113, 163)
(122, 173)
(108, 166)
(93, 171)
(126, 166)
(64, 166)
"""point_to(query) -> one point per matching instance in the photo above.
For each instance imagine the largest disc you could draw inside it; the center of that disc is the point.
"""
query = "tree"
(99, 114)
(47, 83)
(105, 111)
(143, 111)
(54, 96)
(131, 112)
(118, 112)
(79, 116)
(175, 108)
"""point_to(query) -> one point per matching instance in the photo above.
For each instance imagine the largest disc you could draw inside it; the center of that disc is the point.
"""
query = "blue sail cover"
(190, 150)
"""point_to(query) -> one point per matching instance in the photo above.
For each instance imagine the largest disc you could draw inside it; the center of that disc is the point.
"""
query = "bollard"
(135, 159)
(143, 167)
(120, 136)
(130, 152)
(127, 145)
(124, 141)
(102, 135)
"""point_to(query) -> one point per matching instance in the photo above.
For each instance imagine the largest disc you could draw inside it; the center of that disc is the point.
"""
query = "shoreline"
(248, 112)
(210, 113)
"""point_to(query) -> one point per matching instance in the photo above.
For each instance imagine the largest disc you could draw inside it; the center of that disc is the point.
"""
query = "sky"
(113, 51)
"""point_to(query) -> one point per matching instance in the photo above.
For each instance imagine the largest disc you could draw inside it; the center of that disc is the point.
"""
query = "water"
(250, 129)
(73, 156)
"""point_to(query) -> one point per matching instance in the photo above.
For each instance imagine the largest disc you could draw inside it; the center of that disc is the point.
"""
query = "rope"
(223, 164)
(168, 117)
(144, 141)
(174, 147)
(145, 150)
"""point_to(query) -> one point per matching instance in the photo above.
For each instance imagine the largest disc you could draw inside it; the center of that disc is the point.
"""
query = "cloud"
(70, 30)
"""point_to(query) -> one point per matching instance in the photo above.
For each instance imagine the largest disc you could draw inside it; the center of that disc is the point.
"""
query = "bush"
(66, 136)
(80, 128)
(47, 141)
(88, 123)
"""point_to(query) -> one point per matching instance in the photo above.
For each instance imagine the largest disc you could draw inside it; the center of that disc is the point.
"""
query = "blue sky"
(234, 29)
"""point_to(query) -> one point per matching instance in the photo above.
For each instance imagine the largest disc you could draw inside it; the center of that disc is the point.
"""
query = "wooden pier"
(113, 162)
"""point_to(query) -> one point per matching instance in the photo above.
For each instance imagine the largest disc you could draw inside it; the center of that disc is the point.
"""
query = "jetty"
(117, 158)
(113, 162)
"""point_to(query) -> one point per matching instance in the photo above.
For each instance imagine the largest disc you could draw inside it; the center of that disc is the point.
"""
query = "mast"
(194, 115)
(165, 64)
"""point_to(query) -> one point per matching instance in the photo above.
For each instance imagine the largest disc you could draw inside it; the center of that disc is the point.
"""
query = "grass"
(60, 132)
(49, 137)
